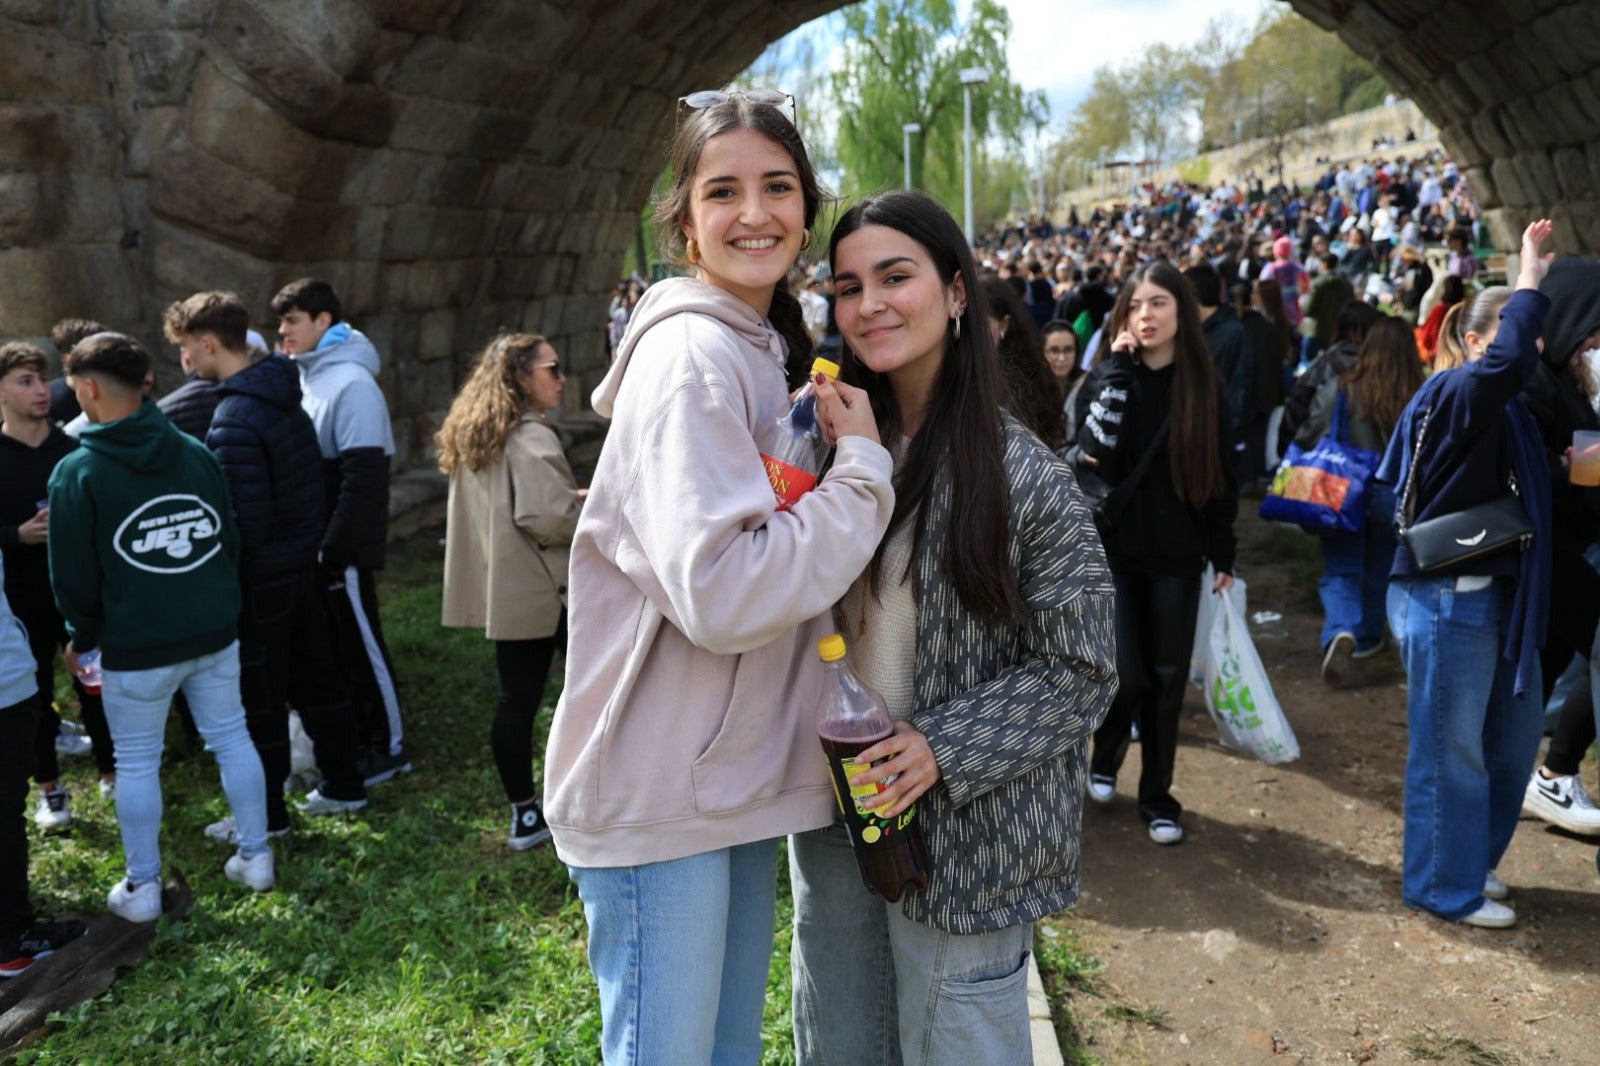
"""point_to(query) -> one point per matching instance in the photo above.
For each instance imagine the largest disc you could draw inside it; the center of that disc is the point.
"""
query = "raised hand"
(1534, 265)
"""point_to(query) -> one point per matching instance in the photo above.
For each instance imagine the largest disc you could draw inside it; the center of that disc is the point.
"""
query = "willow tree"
(902, 63)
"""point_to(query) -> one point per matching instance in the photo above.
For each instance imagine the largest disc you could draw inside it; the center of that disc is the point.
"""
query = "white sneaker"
(227, 831)
(1494, 888)
(1562, 801)
(258, 872)
(108, 790)
(54, 810)
(141, 904)
(1165, 831)
(1491, 915)
(73, 745)
(316, 803)
(1102, 789)
(1336, 661)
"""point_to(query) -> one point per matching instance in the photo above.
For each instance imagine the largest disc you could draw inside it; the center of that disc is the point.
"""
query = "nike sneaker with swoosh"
(1562, 801)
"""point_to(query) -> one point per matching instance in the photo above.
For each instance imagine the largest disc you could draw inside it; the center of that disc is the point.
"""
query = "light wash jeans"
(136, 709)
(1355, 574)
(873, 986)
(681, 950)
(1473, 741)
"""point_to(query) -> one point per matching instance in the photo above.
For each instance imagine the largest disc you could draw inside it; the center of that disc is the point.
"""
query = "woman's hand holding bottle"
(844, 411)
(910, 770)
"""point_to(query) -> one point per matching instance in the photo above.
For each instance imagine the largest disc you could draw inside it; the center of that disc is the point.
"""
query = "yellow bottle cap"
(825, 366)
(831, 648)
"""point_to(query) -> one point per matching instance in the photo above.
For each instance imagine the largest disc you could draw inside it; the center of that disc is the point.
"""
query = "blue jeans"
(136, 710)
(681, 950)
(1355, 574)
(1473, 741)
(873, 986)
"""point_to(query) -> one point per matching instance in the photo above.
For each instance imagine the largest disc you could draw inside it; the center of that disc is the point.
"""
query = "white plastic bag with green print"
(1237, 691)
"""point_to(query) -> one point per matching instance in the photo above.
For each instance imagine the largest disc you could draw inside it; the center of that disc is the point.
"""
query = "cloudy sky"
(1056, 44)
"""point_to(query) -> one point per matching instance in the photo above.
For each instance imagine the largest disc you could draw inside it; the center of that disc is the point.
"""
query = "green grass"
(408, 934)
(1070, 976)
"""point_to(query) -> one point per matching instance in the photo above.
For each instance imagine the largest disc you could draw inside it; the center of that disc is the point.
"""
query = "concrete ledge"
(1046, 1049)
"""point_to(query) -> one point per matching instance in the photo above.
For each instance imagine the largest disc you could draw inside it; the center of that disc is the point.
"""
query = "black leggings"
(1155, 636)
(47, 636)
(522, 666)
(1574, 610)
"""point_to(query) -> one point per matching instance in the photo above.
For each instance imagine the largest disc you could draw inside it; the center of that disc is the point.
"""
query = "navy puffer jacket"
(268, 450)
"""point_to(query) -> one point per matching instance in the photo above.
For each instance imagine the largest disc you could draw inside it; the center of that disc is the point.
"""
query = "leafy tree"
(902, 62)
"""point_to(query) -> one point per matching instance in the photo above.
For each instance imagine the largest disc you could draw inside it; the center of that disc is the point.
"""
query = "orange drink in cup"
(1585, 458)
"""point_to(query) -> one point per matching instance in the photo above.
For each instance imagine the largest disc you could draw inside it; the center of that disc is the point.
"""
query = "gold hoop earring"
(691, 252)
(805, 240)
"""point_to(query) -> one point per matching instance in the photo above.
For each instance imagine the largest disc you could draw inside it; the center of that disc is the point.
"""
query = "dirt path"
(1275, 933)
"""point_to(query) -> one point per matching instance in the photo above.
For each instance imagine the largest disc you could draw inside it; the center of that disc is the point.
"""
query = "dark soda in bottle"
(889, 851)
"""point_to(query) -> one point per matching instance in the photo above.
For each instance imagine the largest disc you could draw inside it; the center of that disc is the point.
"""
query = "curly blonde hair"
(491, 402)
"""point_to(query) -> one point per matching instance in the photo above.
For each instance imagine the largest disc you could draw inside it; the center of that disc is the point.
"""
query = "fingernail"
(821, 379)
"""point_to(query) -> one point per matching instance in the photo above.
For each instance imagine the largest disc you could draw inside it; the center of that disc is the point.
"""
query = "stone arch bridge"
(454, 166)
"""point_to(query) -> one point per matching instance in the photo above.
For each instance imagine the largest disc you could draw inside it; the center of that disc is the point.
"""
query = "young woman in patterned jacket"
(986, 622)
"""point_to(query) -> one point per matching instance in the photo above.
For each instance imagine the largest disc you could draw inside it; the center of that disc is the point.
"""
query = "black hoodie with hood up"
(1558, 405)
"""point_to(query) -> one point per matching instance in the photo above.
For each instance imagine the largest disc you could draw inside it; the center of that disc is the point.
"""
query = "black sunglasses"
(770, 97)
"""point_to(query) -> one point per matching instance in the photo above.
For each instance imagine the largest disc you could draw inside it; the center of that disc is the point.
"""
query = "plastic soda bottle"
(89, 671)
(797, 448)
(889, 851)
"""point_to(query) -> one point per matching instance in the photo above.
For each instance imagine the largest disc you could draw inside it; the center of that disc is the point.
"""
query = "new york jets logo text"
(169, 534)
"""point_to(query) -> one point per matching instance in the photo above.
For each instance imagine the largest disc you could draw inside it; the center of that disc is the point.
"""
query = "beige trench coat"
(507, 538)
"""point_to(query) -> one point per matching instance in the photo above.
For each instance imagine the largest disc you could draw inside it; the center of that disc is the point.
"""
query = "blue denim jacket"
(16, 659)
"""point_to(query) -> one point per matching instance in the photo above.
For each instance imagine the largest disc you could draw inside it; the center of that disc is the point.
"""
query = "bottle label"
(789, 483)
(868, 826)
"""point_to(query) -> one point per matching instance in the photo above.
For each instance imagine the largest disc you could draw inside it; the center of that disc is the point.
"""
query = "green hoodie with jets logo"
(143, 549)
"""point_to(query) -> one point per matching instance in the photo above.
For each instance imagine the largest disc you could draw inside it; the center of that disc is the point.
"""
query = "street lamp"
(908, 129)
(970, 77)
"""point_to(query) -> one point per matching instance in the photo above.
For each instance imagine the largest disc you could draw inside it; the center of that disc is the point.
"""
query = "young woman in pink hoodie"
(685, 741)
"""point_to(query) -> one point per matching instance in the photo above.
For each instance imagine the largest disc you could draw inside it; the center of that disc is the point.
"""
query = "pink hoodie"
(687, 721)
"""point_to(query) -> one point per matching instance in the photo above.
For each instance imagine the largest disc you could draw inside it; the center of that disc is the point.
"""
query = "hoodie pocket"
(748, 759)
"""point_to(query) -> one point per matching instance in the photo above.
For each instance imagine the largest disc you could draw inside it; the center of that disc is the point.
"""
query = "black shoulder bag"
(1445, 540)
(1106, 501)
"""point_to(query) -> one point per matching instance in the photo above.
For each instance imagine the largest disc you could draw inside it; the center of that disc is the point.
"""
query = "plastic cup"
(1585, 468)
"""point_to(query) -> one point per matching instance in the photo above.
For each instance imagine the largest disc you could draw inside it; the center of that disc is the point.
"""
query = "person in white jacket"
(685, 743)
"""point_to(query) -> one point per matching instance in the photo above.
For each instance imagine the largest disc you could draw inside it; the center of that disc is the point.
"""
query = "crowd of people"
(214, 551)
(1039, 448)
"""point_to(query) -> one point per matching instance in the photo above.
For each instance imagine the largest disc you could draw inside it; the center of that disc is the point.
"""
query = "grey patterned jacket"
(1009, 711)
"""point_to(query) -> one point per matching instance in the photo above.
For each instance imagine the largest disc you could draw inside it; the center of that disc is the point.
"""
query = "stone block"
(182, 261)
(437, 126)
(316, 229)
(42, 285)
(32, 138)
(1573, 175)
(124, 16)
(154, 69)
(232, 123)
(45, 66)
(436, 335)
(421, 382)
(1486, 131)
(499, 135)
(282, 69)
(448, 69)
(365, 115)
(148, 134)
(191, 185)
(339, 33)
(421, 16)
(34, 12)
(32, 208)
(408, 232)
(1563, 37)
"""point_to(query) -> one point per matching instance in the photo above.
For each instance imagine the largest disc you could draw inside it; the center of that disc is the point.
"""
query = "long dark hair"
(1272, 306)
(1387, 372)
(695, 128)
(962, 426)
(1031, 390)
(1192, 449)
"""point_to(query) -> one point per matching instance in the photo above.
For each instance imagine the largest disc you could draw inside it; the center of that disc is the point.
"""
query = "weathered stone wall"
(451, 166)
(1515, 90)
(454, 166)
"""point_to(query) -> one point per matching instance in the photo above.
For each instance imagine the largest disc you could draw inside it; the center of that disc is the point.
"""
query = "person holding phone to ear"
(1156, 391)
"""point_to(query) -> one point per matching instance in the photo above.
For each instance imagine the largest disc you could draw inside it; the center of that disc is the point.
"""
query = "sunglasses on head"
(697, 101)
